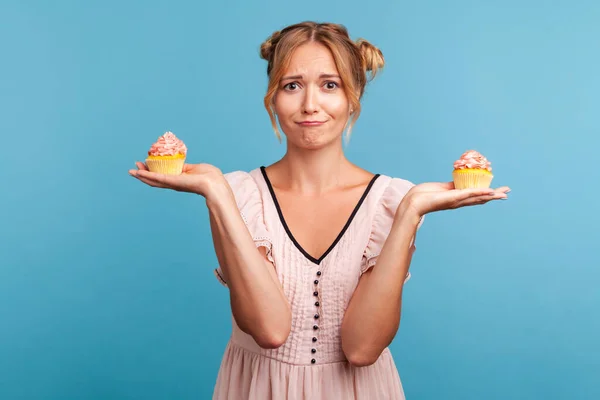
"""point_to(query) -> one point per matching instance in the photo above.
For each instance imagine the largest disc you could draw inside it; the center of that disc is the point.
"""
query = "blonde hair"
(357, 62)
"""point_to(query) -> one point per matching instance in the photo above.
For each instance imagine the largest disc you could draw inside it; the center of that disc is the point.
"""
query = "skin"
(315, 174)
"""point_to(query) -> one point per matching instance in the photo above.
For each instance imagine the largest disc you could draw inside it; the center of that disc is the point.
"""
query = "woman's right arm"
(258, 303)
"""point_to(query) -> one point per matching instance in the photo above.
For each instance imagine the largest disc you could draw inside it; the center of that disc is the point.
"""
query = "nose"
(310, 105)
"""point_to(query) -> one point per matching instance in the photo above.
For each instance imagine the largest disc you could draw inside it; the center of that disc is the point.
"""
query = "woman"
(314, 250)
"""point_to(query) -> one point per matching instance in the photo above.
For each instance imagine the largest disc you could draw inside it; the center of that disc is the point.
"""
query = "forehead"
(312, 58)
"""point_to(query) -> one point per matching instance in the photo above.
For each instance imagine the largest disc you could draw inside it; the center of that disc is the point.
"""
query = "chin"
(313, 139)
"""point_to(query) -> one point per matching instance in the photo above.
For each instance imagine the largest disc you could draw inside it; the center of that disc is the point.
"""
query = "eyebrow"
(285, 78)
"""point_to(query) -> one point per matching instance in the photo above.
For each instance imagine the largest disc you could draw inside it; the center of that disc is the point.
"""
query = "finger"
(479, 200)
(465, 194)
(499, 194)
(160, 179)
(150, 182)
(503, 189)
(155, 178)
(141, 165)
(472, 202)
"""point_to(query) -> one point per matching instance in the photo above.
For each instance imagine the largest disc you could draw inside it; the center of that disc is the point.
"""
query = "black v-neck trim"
(340, 235)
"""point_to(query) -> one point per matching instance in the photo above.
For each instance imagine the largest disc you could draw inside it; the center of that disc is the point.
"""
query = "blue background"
(106, 285)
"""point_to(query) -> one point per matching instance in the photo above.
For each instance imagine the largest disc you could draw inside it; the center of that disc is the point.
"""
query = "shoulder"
(243, 179)
(390, 193)
(245, 185)
(391, 190)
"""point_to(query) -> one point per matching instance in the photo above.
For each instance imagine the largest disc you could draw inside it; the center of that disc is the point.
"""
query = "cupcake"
(472, 170)
(167, 155)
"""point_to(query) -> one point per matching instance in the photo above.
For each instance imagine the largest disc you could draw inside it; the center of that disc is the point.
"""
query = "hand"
(436, 196)
(195, 178)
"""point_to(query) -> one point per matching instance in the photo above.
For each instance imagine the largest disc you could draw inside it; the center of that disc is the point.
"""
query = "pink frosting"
(167, 145)
(472, 159)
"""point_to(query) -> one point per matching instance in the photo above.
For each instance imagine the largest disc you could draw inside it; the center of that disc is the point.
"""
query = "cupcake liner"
(171, 166)
(472, 178)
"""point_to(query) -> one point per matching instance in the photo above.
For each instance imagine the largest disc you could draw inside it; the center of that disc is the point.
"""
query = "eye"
(291, 86)
(331, 85)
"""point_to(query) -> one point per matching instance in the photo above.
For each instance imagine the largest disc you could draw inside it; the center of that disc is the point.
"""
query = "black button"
(313, 351)
(315, 327)
(313, 361)
(315, 293)
(316, 281)
(318, 273)
(317, 304)
(316, 316)
(314, 339)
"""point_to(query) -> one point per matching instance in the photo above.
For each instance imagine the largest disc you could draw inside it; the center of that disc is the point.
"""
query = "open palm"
(437, 196)
(195, 178)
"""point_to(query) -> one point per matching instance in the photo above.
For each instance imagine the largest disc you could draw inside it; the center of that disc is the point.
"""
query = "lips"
(311, 123)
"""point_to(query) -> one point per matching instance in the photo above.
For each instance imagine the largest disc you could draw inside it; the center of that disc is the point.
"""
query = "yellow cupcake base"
(166, 165)
(472, 178)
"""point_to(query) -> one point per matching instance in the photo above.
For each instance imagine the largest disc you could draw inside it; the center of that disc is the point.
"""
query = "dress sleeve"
(249, 203)
(383, 220)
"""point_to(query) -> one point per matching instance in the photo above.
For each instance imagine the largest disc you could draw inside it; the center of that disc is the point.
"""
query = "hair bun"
(268, 46)
(373, 59)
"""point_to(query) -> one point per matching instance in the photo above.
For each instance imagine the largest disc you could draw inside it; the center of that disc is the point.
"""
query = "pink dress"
(310, 364)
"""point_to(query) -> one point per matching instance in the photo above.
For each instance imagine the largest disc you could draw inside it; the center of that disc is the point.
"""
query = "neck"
(313, 172)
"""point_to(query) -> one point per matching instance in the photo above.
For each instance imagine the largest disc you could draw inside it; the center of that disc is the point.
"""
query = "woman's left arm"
(373, 315)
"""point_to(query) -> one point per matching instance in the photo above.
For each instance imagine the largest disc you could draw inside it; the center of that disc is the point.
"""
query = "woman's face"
(310, 103)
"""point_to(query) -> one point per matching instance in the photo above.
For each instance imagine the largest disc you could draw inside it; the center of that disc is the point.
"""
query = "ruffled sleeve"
(249, 202)
(383, 220)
